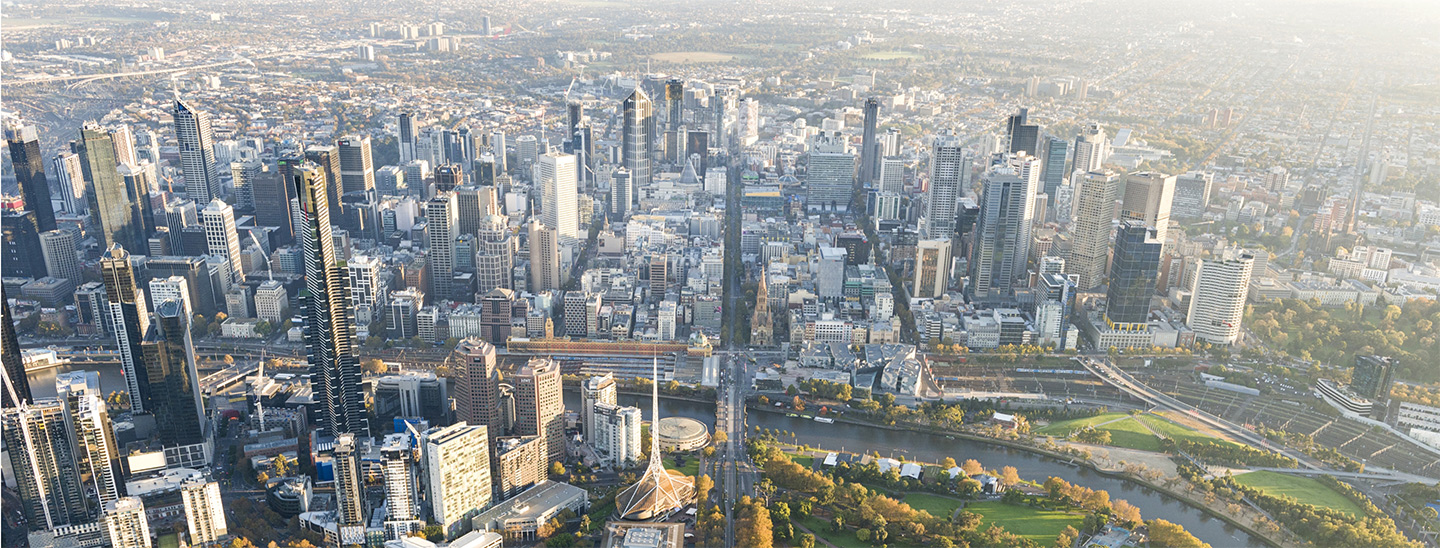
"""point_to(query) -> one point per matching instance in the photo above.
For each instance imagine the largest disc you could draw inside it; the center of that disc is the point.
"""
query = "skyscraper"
(441, 229)
(539, 409)
(497, 147)
(829, 174)
(96, 452)
(1055, 152)
(204, 511)
(1090, 237)
(1192, 194)
(23, 256)
(495, 257)
(61, 260)
(220, 236)
(174, 396)
(932, 268)
(870, 146)
(558, 194)
(477, 385)
(1091, 148)
(596, 390)
(544, 257)
(948, 164)
(1132, 276)
(70, 177)
(674, 103)
(402, 516)
(197, 152)
(16, 385)
(350, 515)
(1148, 197)
(1002, 235)
(448, 177)
(42, 457)
(24, 143)
(637, 140)
(622, 193)
(113, 207)
(407, 136)
(1373, 377)
(458, 474)
(272, 194)
(357, 169)
(327, 157)
(335, 373)
(1024, 136)
(1217, 304)
(1053, 296)
(129, 315)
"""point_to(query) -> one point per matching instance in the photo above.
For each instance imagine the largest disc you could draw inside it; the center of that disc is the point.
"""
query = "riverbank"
(1064, 458)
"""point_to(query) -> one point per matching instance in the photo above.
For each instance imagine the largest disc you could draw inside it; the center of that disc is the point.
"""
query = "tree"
(719, 437)
(374, 366)
(780, 521)
(1066, 538)
(703, 485)
(1164, 534)
(972, 467)
(557, 469)
(1126, 514)
(948, 463)
(797, 404)
(1009, 476)
(807, 540)
(229, 360)
(752, 526)
(281, 466)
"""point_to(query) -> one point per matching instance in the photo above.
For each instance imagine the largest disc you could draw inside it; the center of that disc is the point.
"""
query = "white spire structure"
(659, 492)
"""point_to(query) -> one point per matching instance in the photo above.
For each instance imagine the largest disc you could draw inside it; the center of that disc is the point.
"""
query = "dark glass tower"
(329, 337)
(132, 322)
(1373, 377)
(22, 253)
(1055, 152)
(448, 177)
(272, 205)
(24, 144)
(674, 103)
(328, 160)
(175, 384)
(10, 353)
(114, 203)
(870, 146)
(1133, 272)
(1023, 135)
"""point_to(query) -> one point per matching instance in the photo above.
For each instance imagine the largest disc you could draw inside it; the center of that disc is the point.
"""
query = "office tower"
(271, 301)
(519, 464)
(204, 511)
(830, 175)
(174, 396)
(357, 169)
(1091, 148)
(43, 461)
(244, 174)
(71, 178)
(1090, 237)
(477, 384)
(124, 141)
(527, 152)
(870, 150)
(1132, 276)
(24, 142)
(1024, 136)
(171, 287)
(539, 410)
(497, 147)
(622, 194)
(1148, 198)
(196, 141)
(407, 136)
(932, 268)
(473, 204)
(16, 384)
(220, 236)
(448, 177)
(1002, 235)
(1052, 310)
(272, 193)
(441, 230)
(328, 159)
(61, 260)
(1217, 303)
(113, 207)
(125, 523)
(458, 475)
(948, 166)
(596, 390)
(658, 272)
(198, 279)
(401, 515)
(616, 434)
(484, 170)
(495, 258)
(329, 345)
(1054, 176)
(545, 272)
(131, 319)
(1373, 377)
(637, 140)
(23, 256)
(350, 513)
(1192, 194)
(558, 194)
(674, 103)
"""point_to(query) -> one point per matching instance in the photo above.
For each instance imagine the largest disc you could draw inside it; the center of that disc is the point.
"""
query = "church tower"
(761, 330)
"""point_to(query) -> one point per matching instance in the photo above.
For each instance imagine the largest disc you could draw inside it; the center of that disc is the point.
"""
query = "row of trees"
(1306, 444)
(1230, 454)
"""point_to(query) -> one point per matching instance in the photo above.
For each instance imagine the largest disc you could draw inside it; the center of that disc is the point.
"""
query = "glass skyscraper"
(1133, 273)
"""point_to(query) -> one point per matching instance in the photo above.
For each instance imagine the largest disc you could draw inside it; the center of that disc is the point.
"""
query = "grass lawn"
(806, 460)
(938, 506)
(821, 529)
(1041, 526)
(1305, 490)
(1064, 428)
(1130, 434)
(600, 513)
(691, 467)
(1177, 431)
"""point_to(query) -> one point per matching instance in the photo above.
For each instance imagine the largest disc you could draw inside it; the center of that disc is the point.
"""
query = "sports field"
(1304, 489)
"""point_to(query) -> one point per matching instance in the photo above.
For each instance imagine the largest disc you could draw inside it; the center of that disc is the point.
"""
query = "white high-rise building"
(558, 193)
(527, 151)
(596, 390)
(125, 523)
(665, 320)
(617, 435)
(442, 226)
(71, 177)
(1148, 198)
(221, 237)
(494, 256)
(544, 245)
(402, 517)
(1091, 148)
(830, 174)
(1217, 303)
(892, 175)
(196, 141)
(204, 511)
(457, 471)
(357, 167)
(367, 289)
(948, 166)
(244, 173)
(1090, 236)
(61, 260)
(174, 287)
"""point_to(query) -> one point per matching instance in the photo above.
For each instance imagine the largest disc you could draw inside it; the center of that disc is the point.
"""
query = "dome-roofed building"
(659, 492)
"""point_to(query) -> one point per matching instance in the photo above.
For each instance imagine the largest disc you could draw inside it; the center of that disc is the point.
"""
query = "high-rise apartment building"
(357, 168)
(44, 463)
(1090, 234)
(1217, 302)
(1192, 194)
(1091, 148)
(407, 136)
(558, 194)
(131, 318)
(458, 474)
(350, 513)
(196, 140)
(617, 434)
(1002, 235)
(441, 227)
(539, 409)
(114, 208)
(61, 259)
(1373, 377)
(545, 274)
(16, 386)
(948, 166)
(125, 524)
(495, 256)
(829, 174)
(174, 398)
(1133, 274)
(622, 193)
(477, 384)
(932, 268)
(329, 344)
(402, 512)
(204, 511)
(220, 235)
(596, 390)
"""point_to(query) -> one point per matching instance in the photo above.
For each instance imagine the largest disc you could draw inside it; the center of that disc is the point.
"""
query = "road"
(737, 475)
